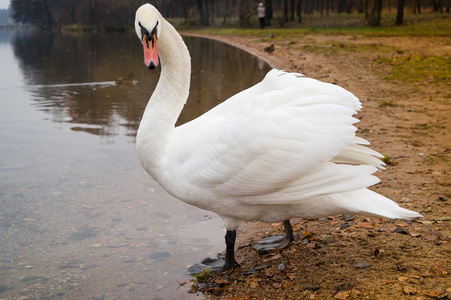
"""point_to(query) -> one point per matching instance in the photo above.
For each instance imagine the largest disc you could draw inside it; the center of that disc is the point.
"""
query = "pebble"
(347, 217)
(400, 230)
(362, 265)
(29, 278)
(281, 267)
(327, 239)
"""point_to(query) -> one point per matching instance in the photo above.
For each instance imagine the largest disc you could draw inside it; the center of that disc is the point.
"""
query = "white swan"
(283, 148)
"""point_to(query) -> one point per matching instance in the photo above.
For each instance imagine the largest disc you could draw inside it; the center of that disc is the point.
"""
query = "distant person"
(261, 15)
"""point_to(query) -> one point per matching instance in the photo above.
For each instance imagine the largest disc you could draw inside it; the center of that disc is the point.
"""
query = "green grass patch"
(418, 69)
(203, 277)
(386, 104)
(425, 24)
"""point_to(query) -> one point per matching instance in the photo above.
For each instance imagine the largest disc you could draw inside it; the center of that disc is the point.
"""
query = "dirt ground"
(363, 258)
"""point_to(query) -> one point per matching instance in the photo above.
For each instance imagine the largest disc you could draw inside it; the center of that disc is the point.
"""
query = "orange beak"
(150, 51)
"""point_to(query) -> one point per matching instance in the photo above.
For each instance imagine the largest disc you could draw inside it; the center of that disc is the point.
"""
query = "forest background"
(107, 15)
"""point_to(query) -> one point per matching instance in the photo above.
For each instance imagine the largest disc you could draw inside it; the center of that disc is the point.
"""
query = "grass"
(387, 62)
(419, 69)
(386, 104)
(426, 24)
(202, 277)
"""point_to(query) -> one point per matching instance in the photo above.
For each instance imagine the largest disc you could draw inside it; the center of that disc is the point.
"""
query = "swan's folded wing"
(281, 133)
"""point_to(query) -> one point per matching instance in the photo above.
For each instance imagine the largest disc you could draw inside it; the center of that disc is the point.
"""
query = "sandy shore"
(364, 258)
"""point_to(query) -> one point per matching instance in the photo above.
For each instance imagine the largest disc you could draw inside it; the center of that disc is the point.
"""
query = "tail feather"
(359, 202)
(369, 203)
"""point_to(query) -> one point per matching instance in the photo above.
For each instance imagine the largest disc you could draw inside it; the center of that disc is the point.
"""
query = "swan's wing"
(276, 137)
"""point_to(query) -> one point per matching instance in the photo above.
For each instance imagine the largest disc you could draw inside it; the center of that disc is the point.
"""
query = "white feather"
(283, 148)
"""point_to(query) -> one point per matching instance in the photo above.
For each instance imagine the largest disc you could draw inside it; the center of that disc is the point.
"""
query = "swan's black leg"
(289, 235)
(277, 241)
(217, 265)
(230, 261)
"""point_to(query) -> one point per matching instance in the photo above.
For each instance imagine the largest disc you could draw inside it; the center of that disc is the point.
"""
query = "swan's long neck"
(167, 101)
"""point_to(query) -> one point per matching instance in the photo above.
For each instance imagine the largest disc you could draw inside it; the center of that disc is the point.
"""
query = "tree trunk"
(341, 6)
(48, 15)
(349, 7)
(366, 9)
(226, 13)
(268, 11)
(245, 14)
(400, 13)
(285, 10)
(360, 9)
(299, 11)
(417, 7)
(374, 16)
(201, 10)
(292, 6)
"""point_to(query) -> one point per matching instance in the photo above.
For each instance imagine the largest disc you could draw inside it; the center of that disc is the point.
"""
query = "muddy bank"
(361, 257)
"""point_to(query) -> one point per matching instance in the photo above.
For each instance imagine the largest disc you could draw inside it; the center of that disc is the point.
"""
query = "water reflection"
(102, 67)
(79, 218)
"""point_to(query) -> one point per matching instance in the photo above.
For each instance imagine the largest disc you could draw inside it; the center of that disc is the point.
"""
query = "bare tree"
(299, 11)
(226, 12)
(292, 8)
(400, 13)
(417, 7)
(374, 15)
(285, 10)
(203, 20)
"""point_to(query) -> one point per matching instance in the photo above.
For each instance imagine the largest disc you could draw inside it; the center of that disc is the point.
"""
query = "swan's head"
(148, 28)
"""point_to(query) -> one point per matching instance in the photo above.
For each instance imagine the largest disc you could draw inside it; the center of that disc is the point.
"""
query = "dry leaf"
(433, 293)
(410, 290)
(366, 225)
(342, 295)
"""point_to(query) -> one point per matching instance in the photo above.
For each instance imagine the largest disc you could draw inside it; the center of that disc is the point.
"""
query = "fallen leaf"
(366, 225)
(342, 295)
(306, 234)
(433, 293)
(410, 290)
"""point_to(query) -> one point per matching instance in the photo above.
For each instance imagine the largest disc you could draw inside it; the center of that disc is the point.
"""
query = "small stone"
(159, 256)
(401, 230)
(347, 217)
(362, 265)
(406, 200)
(29, 267)
(343, 226)
(30, 278)
(327, 239)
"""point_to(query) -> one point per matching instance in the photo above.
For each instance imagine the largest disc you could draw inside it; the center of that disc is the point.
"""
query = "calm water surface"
(79, 217)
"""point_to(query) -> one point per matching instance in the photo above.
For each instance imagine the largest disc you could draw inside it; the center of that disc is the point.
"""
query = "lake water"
(79, 217)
